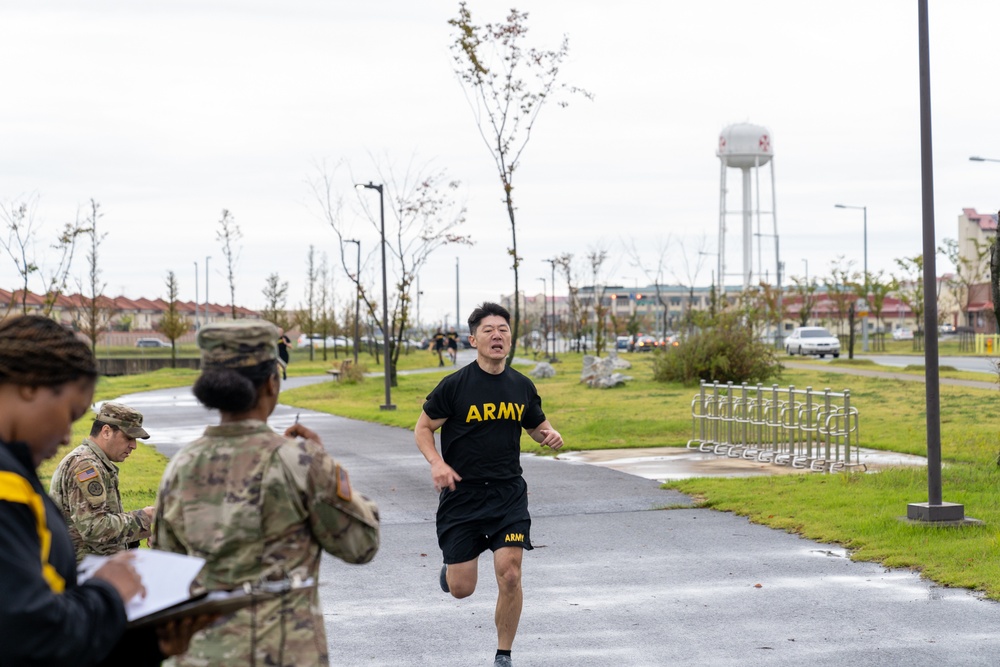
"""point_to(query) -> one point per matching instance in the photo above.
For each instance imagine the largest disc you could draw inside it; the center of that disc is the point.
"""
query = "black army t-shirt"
(482, 438)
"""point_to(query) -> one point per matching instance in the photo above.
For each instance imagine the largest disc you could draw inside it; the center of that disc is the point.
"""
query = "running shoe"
(444, 578)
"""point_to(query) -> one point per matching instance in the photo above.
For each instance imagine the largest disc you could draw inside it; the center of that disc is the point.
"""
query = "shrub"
(354, 373)
(727, 351)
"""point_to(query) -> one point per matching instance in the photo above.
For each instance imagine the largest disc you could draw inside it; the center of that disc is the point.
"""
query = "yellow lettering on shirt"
(490, 411)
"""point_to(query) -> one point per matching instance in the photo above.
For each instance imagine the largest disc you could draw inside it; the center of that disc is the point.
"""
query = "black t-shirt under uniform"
(485, 413)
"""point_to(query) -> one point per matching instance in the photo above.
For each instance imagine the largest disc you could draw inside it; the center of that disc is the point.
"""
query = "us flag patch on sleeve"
(89, 473)
(343, 485)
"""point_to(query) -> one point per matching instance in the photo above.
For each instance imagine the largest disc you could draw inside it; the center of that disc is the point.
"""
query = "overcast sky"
(168, 112)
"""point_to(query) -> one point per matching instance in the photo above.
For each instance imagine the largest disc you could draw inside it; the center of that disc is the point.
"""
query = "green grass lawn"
(859, 511)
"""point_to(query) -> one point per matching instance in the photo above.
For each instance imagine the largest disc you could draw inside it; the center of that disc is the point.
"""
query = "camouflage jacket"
(257, 506)
(85, 488)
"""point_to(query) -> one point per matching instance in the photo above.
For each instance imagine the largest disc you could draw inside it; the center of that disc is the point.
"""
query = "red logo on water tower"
(764, 143)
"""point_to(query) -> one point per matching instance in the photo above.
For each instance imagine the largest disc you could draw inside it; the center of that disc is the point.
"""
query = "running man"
(483, 501)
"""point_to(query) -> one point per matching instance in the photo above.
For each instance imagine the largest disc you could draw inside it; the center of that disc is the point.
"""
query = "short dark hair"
(98, 425)
(486, 309)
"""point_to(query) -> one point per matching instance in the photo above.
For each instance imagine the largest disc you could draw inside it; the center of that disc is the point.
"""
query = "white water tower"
(746, 147)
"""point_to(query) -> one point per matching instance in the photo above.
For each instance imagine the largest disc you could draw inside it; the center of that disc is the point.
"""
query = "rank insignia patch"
(343, 485)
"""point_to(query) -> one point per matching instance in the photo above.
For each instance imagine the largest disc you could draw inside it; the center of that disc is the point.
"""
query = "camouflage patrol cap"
(238, 344)
(129, 420)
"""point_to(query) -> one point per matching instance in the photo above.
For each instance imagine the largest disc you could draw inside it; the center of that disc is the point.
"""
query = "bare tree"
(969, 271)
(325, 304)
(58, 277)
(422, 215)
(173, 325)
(229, 235)
(879, 287)
(93, 313)
(565, 265)
(506, 87)
(655, 273)
(307, 315)
(840, 291)
(20, 222)
(806, 291)
(692, 266)
(596, 258)
(275, 301)
(909, 285)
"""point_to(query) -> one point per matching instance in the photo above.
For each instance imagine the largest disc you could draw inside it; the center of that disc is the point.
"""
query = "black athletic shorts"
(480, 516)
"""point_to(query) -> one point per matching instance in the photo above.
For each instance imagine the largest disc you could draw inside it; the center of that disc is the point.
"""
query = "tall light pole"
(419, 293)
(545, 330)
(552, 263)
(806, 262)
(197, 325)
(935, 509)
(206, 289)
(357, 300)
(458, 311)
(864, 320)
(386, 353)
(976, 158)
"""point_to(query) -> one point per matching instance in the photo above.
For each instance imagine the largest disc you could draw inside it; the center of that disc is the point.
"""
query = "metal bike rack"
(801, 428)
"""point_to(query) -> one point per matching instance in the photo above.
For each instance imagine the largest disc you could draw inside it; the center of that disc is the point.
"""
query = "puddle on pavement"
(666, 464)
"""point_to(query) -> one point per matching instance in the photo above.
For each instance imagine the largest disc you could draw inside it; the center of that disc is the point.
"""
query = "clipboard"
(222, 602)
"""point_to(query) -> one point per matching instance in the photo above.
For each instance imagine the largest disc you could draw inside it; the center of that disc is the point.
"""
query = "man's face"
(116, 444)
(492, 338)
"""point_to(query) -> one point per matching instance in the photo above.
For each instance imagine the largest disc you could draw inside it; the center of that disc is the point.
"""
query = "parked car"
(812, 340)
(151, 342)
(645, 344)
(318, 341)
(669, 341)
(946, 329)
(902, 334)
(622, 343)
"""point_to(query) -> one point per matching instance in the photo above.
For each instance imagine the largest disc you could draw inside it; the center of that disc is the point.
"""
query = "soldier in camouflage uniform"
(85, 486)
(257, 506)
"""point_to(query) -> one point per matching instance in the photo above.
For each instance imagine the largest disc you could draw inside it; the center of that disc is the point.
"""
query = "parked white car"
(902, 334)
(317, 341)
(812, 340)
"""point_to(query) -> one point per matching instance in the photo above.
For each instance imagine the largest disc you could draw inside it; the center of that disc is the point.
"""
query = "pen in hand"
(297, 430)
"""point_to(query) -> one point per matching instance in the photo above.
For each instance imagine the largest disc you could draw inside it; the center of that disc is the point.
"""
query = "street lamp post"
(357, 300)
(545, 329)
(552, 263)
(385, 297)
(864, 320)
(976, 158)
(197, 324)
(205, 310)
(806, 262)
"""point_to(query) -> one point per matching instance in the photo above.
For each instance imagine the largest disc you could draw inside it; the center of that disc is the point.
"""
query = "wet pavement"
(665, 464)
(623, 573)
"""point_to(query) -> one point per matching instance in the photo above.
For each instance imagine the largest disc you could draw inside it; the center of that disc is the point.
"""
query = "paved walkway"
(889, 375)
(623, 573)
